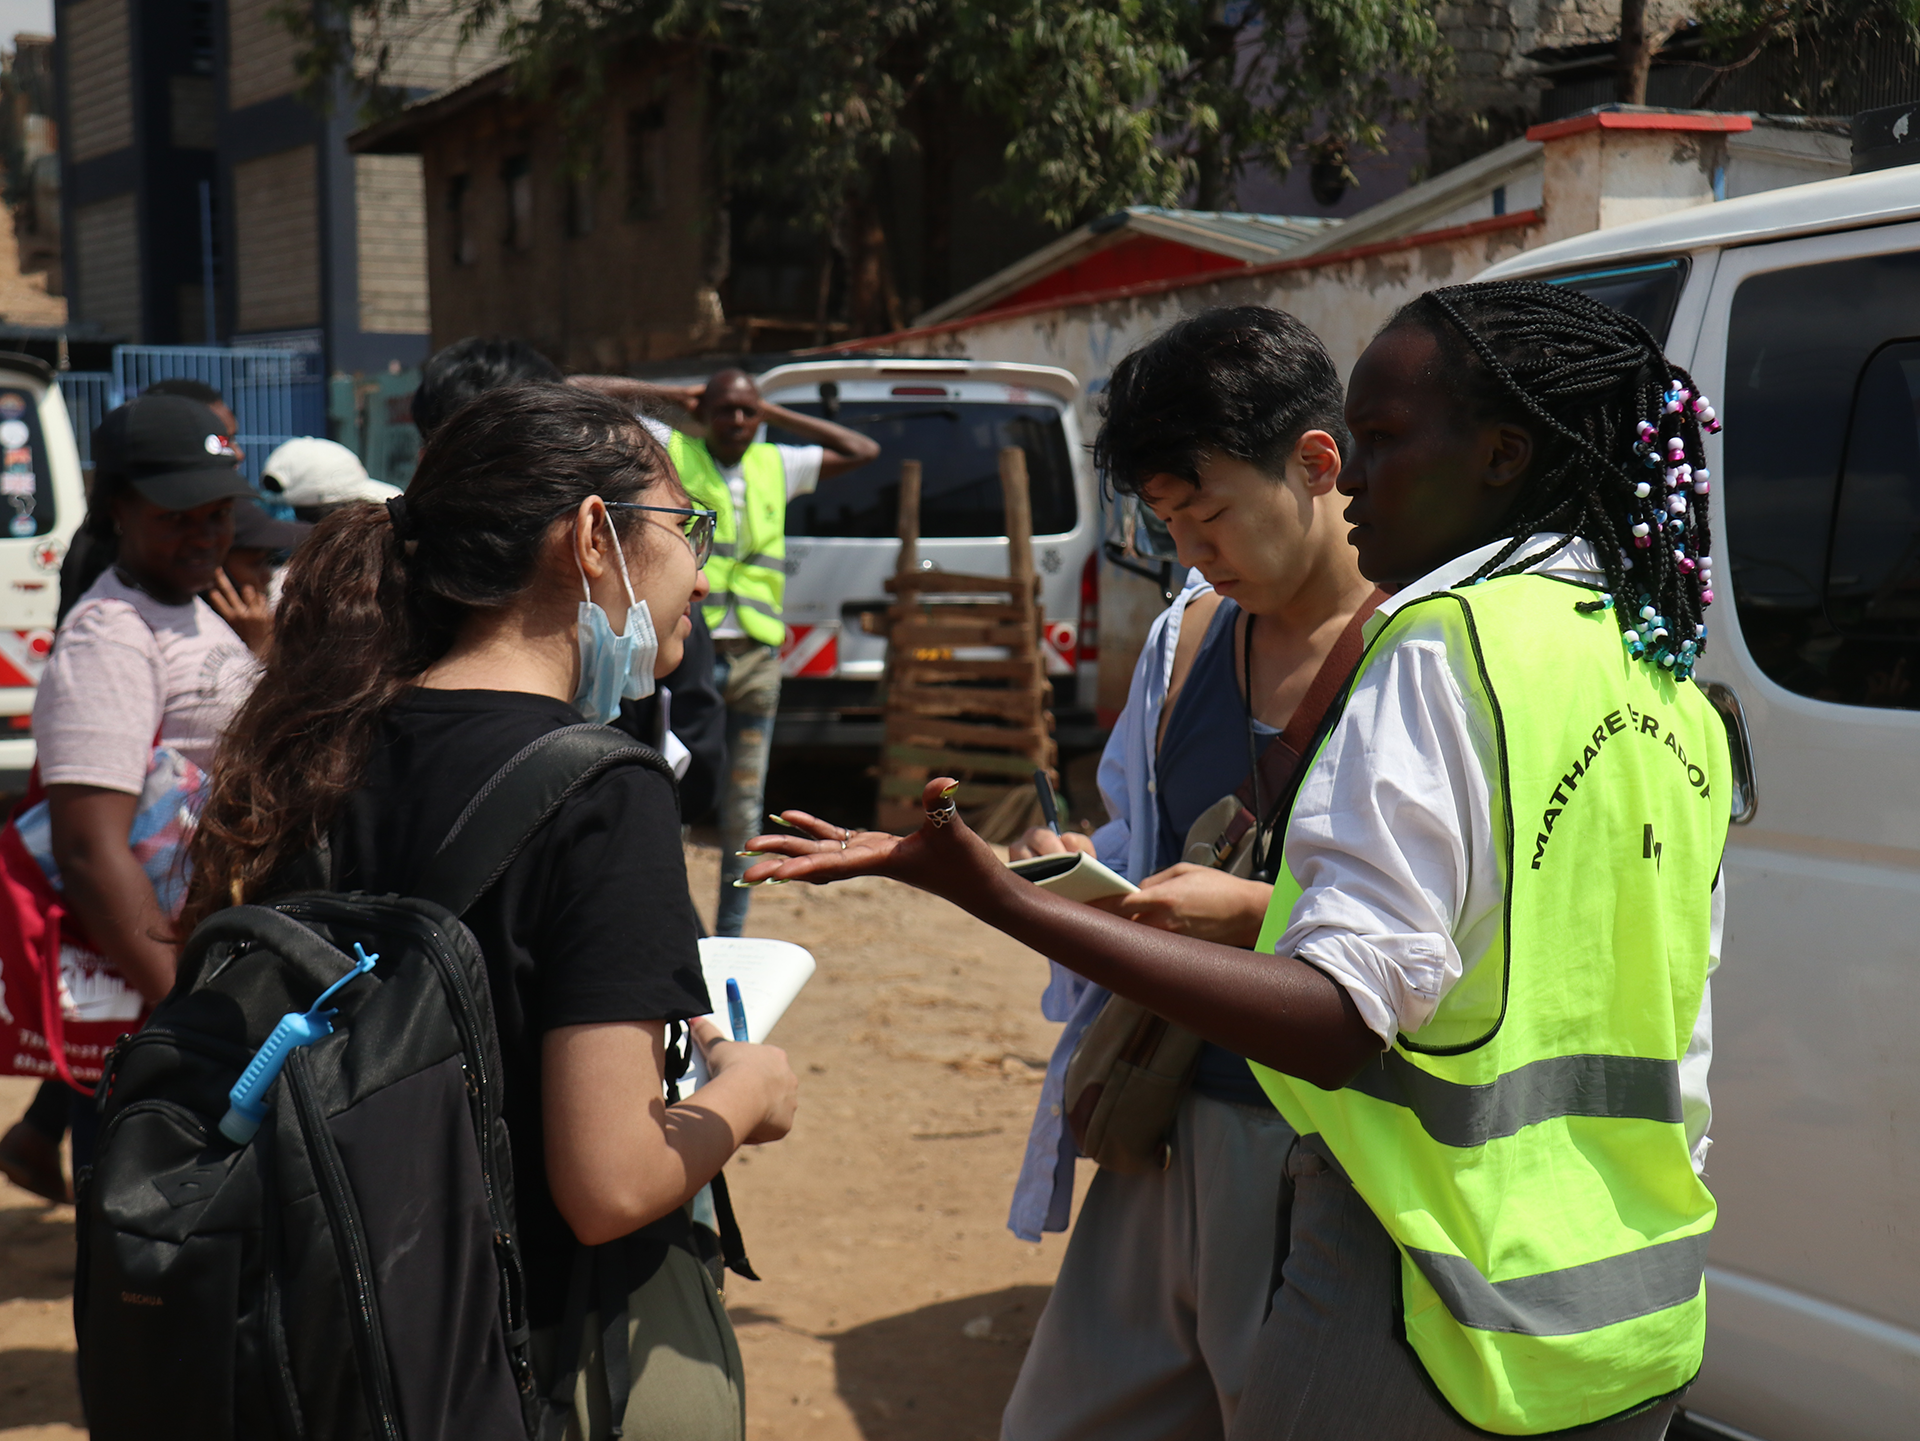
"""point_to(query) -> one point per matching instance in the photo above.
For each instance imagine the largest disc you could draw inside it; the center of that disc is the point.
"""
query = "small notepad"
(1074, 875)
(770, 973)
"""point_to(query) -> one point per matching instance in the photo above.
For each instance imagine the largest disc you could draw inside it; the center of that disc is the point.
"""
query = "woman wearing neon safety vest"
(1497, 905)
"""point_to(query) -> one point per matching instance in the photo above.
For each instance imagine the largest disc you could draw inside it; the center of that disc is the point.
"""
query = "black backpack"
(353, 1271)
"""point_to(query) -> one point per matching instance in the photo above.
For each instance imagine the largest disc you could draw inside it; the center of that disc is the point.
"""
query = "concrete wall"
(1600, 178)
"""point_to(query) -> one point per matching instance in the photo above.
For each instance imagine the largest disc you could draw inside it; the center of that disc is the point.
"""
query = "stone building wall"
(1496, 91)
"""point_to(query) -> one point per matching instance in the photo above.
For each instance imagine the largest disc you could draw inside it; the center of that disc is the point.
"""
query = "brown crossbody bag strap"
(1279, 768)
(1127, 1075)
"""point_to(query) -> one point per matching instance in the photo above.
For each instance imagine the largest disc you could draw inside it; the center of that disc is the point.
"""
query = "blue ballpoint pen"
(736, 1010)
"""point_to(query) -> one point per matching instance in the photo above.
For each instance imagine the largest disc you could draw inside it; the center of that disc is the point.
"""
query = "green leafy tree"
(1822, 40)
(1107, 102)
(1133, 101)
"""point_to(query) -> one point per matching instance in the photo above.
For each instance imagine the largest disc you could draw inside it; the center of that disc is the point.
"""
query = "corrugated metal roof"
(1250, 239)
(1253, 238)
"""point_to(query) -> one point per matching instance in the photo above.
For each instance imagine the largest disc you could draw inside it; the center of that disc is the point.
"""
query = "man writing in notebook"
(1234, 418)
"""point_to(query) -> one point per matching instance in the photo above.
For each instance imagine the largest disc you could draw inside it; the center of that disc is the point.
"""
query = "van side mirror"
(1739, 748)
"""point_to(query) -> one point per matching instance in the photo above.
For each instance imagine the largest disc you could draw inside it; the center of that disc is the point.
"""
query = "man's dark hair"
(472, 367)
(192, 389)
(1245, 382)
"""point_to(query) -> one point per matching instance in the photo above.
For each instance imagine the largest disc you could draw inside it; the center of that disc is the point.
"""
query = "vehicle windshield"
(1648, 293)
(958, 444)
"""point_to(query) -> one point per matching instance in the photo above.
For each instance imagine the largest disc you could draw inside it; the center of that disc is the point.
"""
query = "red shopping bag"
(62, 1004)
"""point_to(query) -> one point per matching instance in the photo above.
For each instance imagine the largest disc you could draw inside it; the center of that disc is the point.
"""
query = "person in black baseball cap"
(165, 479)
(141, 664)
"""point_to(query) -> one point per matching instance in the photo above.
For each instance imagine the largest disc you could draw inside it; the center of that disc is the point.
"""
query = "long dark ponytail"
(1619, 434)
(376, 595)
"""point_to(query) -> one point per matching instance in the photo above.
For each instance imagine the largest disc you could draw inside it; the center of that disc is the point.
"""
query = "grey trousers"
(1162, 1292)
(1329, 1365)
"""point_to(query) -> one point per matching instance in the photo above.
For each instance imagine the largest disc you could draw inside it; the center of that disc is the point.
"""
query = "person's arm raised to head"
(1276, 1010)
(103, 884)
(674, 403)
(618, 1156)
(845, 449)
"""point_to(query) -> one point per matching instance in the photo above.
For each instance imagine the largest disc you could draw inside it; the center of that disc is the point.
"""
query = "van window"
(1648, 293)
(26, 482)
(958, 446)
(1822, 485)
(1873, 576)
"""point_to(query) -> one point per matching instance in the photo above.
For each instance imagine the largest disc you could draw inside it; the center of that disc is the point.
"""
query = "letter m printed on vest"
(1526, 1148)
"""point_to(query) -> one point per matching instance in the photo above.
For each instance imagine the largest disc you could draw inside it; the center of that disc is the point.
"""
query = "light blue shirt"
(1043, 1196)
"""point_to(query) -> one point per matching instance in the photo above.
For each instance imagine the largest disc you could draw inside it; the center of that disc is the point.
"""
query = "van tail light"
(1089, 636)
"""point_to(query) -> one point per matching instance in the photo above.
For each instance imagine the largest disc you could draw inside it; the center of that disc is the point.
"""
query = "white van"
(954, 417)
(42, 502)
(1798, 313)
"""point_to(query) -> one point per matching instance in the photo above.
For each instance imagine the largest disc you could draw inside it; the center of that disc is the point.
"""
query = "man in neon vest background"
(748, 483)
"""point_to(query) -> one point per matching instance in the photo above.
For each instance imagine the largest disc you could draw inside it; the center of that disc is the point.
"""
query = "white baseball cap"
(308, 471)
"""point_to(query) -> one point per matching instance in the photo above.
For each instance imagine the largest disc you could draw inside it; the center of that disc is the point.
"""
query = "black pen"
(1049, 812)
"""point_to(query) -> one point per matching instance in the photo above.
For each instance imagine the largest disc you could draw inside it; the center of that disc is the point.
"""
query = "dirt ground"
(895, 1302)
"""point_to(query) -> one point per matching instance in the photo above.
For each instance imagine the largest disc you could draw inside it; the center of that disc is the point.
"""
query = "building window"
(646, 161)
(580, 190)
(459, 223)
(516, 174)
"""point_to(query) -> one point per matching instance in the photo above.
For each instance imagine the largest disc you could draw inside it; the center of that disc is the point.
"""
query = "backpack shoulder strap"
(520, 798)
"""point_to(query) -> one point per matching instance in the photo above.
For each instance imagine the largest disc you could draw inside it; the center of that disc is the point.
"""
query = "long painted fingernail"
(948, 791)
(779, 822)
(749, 885)
(750, 855)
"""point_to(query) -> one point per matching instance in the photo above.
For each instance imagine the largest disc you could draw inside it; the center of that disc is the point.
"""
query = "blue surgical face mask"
(613, 666)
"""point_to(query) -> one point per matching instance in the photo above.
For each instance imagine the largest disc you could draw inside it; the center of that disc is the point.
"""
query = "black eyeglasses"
(695, 525)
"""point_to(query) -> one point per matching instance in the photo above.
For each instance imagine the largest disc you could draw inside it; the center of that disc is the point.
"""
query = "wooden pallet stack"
(985, 722)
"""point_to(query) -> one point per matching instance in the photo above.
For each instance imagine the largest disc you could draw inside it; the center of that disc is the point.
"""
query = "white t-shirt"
(801, 463)
(125, 667)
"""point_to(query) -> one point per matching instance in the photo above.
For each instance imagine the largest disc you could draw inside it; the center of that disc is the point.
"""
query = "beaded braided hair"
(1620, 459)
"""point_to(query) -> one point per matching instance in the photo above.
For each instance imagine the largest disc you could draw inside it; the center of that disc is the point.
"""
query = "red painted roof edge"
(1491, 224)
(1638, 120)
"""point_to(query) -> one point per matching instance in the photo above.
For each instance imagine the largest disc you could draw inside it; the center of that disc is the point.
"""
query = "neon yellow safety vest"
(748, 568)
(1525, 1148)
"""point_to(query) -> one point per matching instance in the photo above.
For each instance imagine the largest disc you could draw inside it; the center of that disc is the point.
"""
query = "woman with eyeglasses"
(539, 568)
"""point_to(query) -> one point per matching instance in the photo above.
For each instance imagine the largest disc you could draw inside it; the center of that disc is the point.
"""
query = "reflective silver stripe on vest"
(1623, 1087)
(766, 562)
(723, 548)
(728, 598)
(1573, 1300)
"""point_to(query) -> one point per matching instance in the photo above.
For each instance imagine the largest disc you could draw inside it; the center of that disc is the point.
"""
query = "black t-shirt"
(591, 923)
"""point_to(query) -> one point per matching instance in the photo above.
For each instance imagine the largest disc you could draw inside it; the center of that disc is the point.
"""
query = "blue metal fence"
(275, 395)
(89, 396)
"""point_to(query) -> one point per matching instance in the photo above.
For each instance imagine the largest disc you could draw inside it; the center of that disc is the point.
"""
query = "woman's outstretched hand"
(944, 856)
